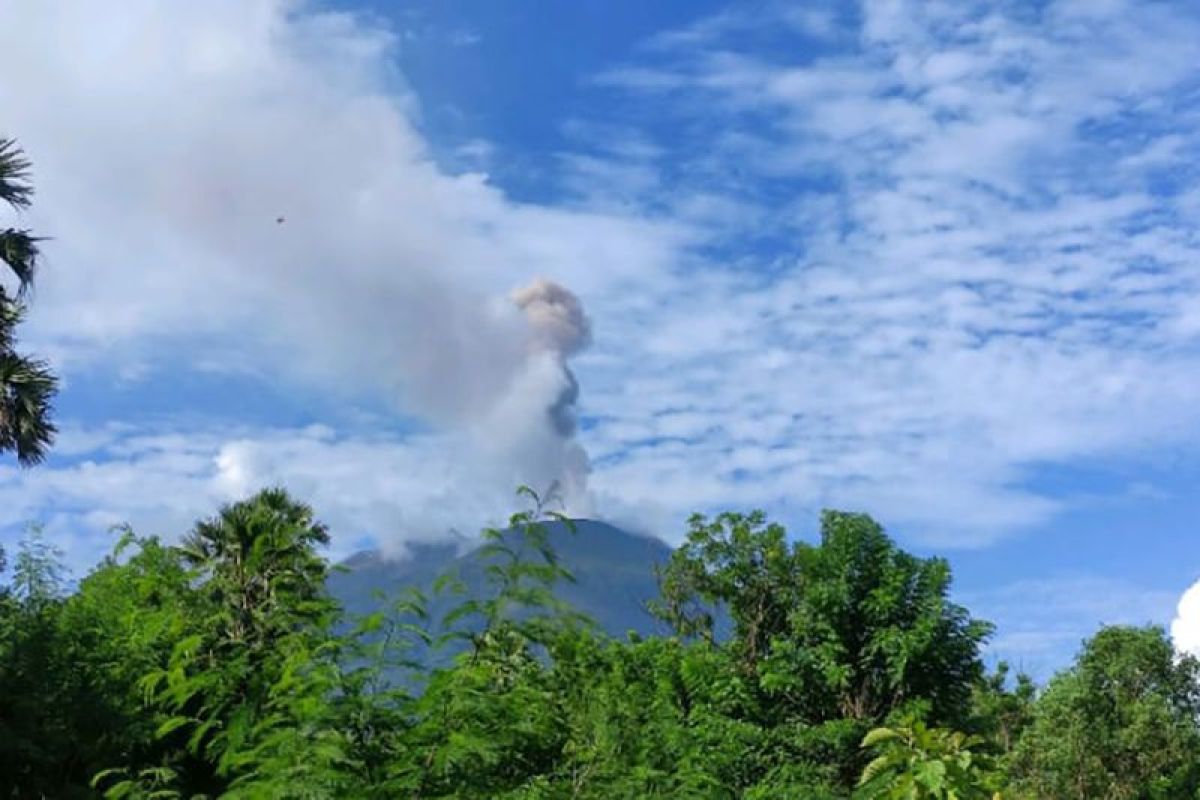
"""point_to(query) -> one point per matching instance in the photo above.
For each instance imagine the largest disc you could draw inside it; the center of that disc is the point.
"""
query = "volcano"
(614, 572)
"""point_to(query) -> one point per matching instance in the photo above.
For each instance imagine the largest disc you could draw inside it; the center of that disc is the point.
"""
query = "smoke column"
(491, 372)
(546, 391)
(559, 327)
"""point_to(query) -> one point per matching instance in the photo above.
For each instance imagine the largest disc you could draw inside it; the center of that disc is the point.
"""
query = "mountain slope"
(613, 570)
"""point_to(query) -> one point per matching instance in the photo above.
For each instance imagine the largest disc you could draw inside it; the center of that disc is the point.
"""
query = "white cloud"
(379, 487)
(245, 181)
(1185, 628)
(900, 276)
(465, 38)
(976, 268)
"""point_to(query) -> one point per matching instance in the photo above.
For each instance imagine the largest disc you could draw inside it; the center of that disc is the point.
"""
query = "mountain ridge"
(613, 571)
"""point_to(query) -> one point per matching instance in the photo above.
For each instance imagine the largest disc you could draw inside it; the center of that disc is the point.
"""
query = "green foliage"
(737, 563)
(873, 630)
(1000, 713)
(27, 386)
(915, 762)
(1121, 723)
(827, 641)
(68, 669)
(37, 571)
(220, 668)
(520, 571)
(491, 724)
(230, 687)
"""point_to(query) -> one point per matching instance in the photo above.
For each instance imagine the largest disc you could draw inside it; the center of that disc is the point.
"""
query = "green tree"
(736, 563)
(873, 631)
(829, 640)
(35, 683)
(122, 622)
(68, 704)
(37, 571)
(257, 659)
(492, 725)
(1121, 724)
(216, 668)
(258, 563)
(999, 712)
(27, 385)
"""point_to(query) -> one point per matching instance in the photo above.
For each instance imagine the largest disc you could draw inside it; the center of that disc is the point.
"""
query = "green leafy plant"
(915, 762)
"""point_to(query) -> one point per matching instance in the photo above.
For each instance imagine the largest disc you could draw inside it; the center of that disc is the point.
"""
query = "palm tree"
(27, 385)
(258, 558)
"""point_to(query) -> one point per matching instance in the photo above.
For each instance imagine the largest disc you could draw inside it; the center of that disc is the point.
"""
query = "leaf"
(171, 724)
(880, 735)
(932, 774)
(370, 623)
(877, 766)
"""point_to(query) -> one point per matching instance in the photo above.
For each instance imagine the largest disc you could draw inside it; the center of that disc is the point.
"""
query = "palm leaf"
(15, 188)
(26, 389)
(19, 250)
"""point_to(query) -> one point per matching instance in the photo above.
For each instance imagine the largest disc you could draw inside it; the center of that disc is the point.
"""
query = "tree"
(256, 658)
(492, 724)
(737, 563)
(215, 669)
(258, 563)
(38, 570)
(63, 716)
(27, 385)
(1121, 724)
(828, 641)
(1001, 713)
(873, 631)
(35, 682)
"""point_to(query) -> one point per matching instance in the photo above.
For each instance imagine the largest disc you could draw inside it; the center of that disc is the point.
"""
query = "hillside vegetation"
(221, 667)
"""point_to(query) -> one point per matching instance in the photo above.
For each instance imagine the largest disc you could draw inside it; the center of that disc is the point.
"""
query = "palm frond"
(27, 387)
(11, 315)
(19, 250)
(15, 188)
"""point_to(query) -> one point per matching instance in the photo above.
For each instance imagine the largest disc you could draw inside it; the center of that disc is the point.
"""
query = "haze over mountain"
(613, 575)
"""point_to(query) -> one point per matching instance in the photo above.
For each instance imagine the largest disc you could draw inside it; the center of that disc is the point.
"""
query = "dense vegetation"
(221, 667)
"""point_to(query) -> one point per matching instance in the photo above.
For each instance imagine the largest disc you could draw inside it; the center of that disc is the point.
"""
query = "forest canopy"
(222, 667)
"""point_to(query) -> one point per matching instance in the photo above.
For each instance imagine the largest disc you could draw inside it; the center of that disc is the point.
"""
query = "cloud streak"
(959, 245)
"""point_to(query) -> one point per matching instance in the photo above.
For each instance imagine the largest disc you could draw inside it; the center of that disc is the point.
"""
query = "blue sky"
(935, 261)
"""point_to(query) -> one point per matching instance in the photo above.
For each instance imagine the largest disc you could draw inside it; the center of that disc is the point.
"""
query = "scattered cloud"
(898, 268)
(1042, 623)
(386, 488)
(465, 38)
(962, 248)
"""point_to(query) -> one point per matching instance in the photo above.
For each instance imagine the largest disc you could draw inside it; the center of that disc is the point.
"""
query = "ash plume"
(555, 316)
(491, 373)
(547, 391)
(559, 326)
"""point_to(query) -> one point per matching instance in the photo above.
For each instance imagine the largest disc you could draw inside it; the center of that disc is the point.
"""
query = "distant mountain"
(613, 569)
